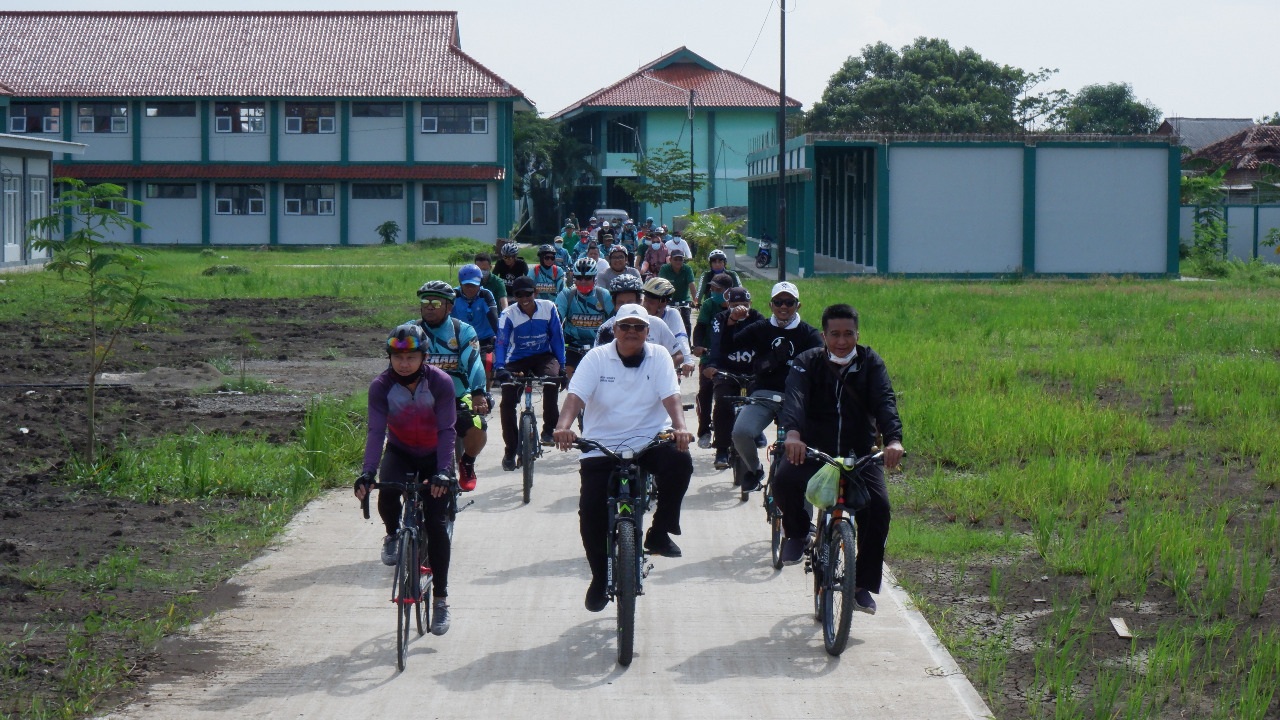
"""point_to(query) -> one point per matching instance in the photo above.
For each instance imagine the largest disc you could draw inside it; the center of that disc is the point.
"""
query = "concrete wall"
(955, 209)
(1240, 233)
(308, 229)
(1102, 210)
(314, 147)
(377, 139)
(365, 215)
(455, 147)
(484, 232)
(734, 132)
(240, 229)
(1268, 220)
(169, 139)
(173, 221)
(239, 147)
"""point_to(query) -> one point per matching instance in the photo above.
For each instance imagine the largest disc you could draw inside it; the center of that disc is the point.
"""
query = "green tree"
(1272, 119)
(707, 231)
(1209, 224)
(1109, 109)
(115, 290)
(663, 177)
(930, 87)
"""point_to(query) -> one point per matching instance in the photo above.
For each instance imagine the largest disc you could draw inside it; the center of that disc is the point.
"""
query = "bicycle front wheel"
(625, 569)
(528, 447)
(421, 608)
(406, 572)
(775, 530)
(837, 594)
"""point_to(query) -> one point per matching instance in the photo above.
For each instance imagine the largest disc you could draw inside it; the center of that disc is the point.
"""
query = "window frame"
(310, 118)
(455, 204)
(356, 108)
(152, 191)
(95, 122)
(251, 205)
(152, 108)
(243, 117)
(47, 117)
(458, 118)
(359, 187)
(297, 196)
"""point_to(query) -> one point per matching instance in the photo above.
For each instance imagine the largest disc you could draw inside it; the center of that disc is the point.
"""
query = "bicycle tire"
(737, 467)
(421, 608)
(528, 441)
(625, 569)
(404, 587)
(775, 529)
(837, 604)
(761, 261)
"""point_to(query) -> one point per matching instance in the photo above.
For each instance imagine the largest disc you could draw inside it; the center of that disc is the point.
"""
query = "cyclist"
(452, 346)
(476, 306)
(656, 298)
(563, 258)
(530, 339)
(773, 342)
(511, 265)
(717, 260)
(737, 362)
(411, 409)
(548, 278)
(494, 284)
(701, 345)
(582, 308)
(680, 275)
(655, 256)
(569, 235)
(838, 399)
(617, 266)
(626, 290)
(627, 392)
(676, 241)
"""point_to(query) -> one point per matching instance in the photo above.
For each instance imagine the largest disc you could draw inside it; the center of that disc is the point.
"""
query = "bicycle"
(831, 555)
(529, 446)
(409, 588)
(628, 501)
(772, 402)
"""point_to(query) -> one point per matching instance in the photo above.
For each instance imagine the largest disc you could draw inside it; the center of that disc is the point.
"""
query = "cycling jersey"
(454, 349)
(547, 281)
(509, 273)
(418, 423)
(521, 336)
(481, 313)
(583, 314)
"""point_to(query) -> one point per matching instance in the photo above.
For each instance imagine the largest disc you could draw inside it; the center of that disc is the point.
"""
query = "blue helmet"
(470, 274)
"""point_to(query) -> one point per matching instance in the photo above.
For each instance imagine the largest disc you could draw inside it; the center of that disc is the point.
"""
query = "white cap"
(631, 311)
(604, 224)
(784, 287)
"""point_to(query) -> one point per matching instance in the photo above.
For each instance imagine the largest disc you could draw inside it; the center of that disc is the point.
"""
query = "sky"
(1190, 58)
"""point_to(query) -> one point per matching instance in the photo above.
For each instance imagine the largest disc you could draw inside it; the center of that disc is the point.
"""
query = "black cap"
(524, 282)
(737, 294)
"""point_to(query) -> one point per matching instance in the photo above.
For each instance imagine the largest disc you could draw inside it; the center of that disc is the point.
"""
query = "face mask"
(656, 245)
(485, 274)
(842, 361)
(585, 287)
(406, 380)
(718, 297)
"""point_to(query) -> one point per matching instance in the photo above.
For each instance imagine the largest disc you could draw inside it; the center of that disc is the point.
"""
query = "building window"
(377, 191)
(35, 118)
(171, 191)
(377, 109)
(622, 134)
(454, 205)
(121, 206)
(308, 199)
(239, 199)
(103, 117)
(12, 210)
(171, 109)
(240, 117)
(38, 189)
(455, 118)
(309, 118)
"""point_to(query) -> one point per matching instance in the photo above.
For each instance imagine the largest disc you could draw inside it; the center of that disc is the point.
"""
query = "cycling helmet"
(546, 250)
(406, 338)
(469, 274)
(585, 267)
(625, 283)
(717, 254)
(617, 249)
(510, 250)
(660, 288)
(436, 289)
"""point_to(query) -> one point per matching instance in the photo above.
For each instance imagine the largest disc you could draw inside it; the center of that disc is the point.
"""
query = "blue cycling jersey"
(476, 312)
(521, 336)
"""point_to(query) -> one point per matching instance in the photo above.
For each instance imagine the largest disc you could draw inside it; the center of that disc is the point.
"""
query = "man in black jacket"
(738, 363)
(774, 340)
(839, 399)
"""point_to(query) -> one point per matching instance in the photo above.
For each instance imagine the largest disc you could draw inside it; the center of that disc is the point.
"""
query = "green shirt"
(495, 285)
(682, 280)
(711, 304)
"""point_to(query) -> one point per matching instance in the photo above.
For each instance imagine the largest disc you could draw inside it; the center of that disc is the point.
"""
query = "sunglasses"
(632, 327)
(523, 293)
(432, 302)
(784, 302)
(659, 299)
(584, 278)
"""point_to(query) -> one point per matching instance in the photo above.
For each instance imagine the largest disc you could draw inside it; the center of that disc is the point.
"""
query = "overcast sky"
(1190, 58)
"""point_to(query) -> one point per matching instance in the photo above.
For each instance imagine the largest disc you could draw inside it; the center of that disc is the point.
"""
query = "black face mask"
(406, 380)
(633, 361)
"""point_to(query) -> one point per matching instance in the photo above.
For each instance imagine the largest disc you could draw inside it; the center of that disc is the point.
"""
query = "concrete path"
(720, 634)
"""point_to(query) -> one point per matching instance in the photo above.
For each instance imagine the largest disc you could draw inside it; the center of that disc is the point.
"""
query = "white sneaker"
(440, 617)
(704, 441)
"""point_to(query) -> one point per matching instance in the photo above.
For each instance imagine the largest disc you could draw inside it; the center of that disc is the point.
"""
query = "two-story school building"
(259, 128)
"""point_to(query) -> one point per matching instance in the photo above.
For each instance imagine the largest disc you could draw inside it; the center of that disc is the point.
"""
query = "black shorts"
(468, 418)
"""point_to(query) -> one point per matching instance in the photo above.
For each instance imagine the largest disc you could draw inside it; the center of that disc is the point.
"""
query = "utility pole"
(782, 142)
(692, 181)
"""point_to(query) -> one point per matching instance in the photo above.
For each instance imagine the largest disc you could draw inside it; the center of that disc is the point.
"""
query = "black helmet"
(625, 283)
(436, 289)
(406, 338)
(546, 250)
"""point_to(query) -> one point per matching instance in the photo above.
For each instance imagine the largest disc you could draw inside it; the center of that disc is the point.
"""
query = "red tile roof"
(1245, 150)
(713, 87)
(4, 90)
(297, 171)
(241, 54)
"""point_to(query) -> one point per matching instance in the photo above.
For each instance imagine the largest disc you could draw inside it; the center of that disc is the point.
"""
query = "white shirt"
(678, 242)
(659, 334)
(676, 324)
(624, 405)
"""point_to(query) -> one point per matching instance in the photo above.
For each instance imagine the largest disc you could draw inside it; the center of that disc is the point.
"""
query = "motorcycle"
(765, 255)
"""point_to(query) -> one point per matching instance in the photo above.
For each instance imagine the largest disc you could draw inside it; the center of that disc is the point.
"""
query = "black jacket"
(773, 346)
(737, 361)
(840, 414)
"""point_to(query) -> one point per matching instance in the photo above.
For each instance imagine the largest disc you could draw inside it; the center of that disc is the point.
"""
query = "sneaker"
(792, 551)
(440, 617)
(659, 543)
(509, 462)
(704, 441)
(863, 601)
(752, 480)
(722, 459)
(466, 476)
(547, 437)
(596, 599)
(389, 550)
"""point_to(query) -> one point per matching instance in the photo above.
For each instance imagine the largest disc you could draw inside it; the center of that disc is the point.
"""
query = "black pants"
(723, 415)
(398, 467)
(671, 470)
(706, 390)
(545, 365)
(872, 520)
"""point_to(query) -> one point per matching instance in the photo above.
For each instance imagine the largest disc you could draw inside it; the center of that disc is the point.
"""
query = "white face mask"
(842, 361)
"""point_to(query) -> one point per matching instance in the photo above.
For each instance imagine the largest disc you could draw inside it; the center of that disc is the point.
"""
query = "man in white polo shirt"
(628, 392)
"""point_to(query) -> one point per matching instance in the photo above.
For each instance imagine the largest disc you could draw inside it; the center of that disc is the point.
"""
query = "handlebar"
(847, 464)
(666, 436)
(743, 380)
(534, 380)
(401, 486)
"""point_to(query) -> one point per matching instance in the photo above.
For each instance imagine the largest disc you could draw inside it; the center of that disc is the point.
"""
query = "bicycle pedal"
(808, 566)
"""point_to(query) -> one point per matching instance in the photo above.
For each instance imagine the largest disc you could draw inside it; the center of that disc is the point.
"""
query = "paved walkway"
(720, 634)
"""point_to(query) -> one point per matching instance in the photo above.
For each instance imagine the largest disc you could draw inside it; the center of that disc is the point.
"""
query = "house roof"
(297, 171)
(4, 89)
(712, 87)
(1197, 133)
(1245, 150)
(241, 54)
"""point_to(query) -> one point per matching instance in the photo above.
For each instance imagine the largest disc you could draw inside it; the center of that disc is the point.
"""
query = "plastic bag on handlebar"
(823, 487)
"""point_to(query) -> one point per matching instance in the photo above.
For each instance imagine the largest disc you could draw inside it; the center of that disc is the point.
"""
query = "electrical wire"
(767, 13)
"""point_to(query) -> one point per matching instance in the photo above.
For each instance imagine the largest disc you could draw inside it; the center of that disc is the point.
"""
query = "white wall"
(239, 229)
(314, 147)
(468, 148)
(1240, 233)
(170, 139)
(955, 209)
(1268, 218)
(173, 222)
(378, 139)
(1102, 210)
(365, 215)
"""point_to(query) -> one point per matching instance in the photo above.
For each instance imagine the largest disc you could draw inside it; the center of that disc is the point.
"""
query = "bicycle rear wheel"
(406, 570)
(837, 595)
(528, 449)
(625, 569)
